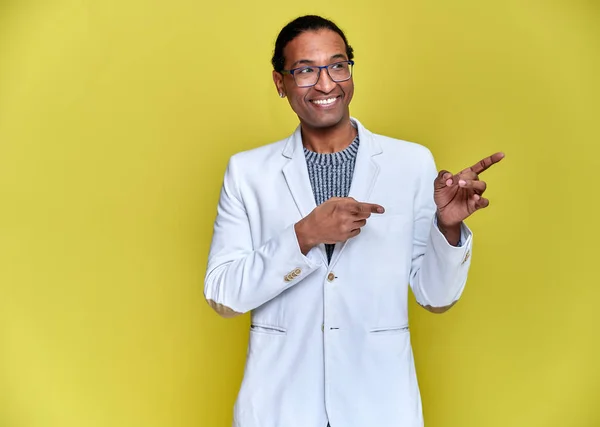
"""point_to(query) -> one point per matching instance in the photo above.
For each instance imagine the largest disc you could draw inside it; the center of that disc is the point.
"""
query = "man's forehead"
(315, 45)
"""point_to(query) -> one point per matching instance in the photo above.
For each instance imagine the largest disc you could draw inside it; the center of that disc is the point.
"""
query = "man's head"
(303, 44)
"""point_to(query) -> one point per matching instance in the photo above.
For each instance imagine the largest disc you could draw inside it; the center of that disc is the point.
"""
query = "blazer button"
(466, 257)
(331, 277)
(297, 272)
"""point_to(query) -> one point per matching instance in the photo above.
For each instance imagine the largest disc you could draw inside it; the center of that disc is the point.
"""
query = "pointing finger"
(370, 208)
(486, 163)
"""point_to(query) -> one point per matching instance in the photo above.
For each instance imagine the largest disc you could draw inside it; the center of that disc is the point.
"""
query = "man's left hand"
(458, 196)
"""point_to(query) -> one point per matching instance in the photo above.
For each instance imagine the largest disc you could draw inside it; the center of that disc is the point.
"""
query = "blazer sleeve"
(240, 277)
(439, 270)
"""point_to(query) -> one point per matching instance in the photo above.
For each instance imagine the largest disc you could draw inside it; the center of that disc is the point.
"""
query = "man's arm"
(439, 268)
(240, 278)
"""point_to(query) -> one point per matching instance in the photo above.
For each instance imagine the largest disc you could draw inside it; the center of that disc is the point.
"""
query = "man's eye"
(340, 66)
(305, 70)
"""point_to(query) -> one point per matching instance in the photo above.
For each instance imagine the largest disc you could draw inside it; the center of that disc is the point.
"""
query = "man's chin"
(323, 122)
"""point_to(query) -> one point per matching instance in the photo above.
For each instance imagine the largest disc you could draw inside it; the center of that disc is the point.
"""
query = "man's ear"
(278, 80)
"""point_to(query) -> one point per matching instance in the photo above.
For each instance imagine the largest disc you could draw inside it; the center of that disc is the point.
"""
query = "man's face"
(313, 104)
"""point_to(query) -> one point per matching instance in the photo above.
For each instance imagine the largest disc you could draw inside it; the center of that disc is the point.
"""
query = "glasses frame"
(320, 67)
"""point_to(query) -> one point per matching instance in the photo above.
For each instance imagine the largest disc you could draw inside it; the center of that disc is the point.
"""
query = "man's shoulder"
(393, 145)
(259, 155)
(396, 146)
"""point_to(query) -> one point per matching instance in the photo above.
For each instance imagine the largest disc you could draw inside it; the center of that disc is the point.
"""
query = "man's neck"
(330, 140)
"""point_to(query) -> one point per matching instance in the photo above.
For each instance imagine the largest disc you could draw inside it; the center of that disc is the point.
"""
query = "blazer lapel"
(365, 175)
(365, 168)
(296, 175)
(295, 172)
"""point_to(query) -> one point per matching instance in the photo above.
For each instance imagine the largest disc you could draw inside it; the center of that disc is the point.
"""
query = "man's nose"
(325, 84)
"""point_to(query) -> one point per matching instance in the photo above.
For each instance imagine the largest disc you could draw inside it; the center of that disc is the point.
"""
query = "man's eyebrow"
(339, 56)
(311, 62)
(302, 62)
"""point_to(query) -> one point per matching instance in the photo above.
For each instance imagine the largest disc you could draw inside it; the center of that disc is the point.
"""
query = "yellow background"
(116, 122)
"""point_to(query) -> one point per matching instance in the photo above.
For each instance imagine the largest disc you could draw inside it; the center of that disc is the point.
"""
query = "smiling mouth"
(325, 102)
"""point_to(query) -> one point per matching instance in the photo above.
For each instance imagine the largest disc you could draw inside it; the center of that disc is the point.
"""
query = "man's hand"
(458, 196)
(336, 220)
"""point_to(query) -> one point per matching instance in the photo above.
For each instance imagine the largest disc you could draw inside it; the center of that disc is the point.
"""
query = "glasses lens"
(306, 76)
(340, 71)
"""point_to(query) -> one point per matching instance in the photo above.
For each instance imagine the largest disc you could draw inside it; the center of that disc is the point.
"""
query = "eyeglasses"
(309, 76)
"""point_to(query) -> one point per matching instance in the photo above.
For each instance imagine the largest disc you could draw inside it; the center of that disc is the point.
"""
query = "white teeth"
(324, 101)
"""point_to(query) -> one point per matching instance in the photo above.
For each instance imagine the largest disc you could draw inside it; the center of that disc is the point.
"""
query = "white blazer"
(330, 341)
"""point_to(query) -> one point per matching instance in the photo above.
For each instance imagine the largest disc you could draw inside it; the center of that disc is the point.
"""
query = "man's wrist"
(305, 241)
(451, 232)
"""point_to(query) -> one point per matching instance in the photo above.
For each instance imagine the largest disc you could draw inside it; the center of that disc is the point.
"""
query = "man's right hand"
(336, 220)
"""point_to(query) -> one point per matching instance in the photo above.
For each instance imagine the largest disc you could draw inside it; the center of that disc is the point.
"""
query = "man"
(319, 235)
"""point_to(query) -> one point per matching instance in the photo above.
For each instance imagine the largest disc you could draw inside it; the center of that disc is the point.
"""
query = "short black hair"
(299, 26)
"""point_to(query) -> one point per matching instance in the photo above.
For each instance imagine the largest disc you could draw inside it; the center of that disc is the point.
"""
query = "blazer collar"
(368, 143)
(366, 171)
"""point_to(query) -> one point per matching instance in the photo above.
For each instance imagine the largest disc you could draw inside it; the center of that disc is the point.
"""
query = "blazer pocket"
(267, 329)
(389, 330)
